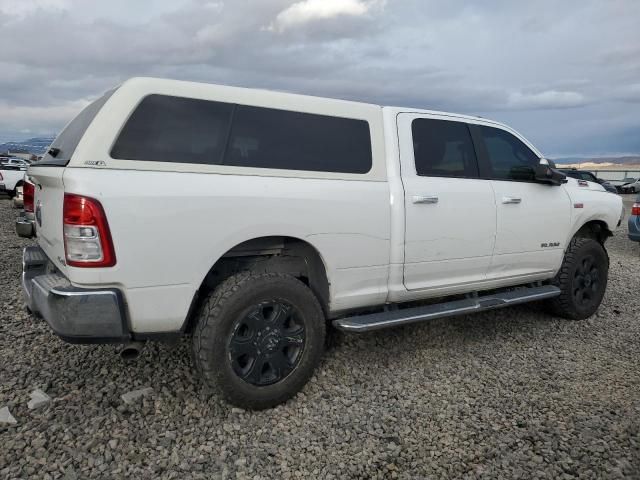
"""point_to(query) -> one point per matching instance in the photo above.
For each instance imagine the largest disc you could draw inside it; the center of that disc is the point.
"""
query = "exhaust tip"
(131, 351)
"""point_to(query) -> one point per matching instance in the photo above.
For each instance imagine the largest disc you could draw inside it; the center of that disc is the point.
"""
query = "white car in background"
(627, 185)
(15, 162)
(11, 177)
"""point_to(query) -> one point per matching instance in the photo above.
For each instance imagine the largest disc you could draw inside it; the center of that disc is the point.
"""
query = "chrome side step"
(377, 321)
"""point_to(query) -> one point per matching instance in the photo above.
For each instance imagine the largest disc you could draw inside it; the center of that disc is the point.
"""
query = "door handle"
(425, 199)
(511, 200)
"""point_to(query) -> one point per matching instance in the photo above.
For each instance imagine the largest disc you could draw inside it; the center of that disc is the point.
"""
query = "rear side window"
(509, 158)
(269, 138)
(181, 130)
(443, 149)
(175, 129)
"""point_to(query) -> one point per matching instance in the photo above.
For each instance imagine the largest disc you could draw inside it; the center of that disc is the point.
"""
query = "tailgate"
(47, 177)
(48, 203)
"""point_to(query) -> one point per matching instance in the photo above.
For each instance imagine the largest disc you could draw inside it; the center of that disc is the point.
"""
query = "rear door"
(533, 219)
(450, 213)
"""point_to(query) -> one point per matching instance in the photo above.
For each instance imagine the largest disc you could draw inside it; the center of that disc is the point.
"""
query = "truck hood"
(584, 185)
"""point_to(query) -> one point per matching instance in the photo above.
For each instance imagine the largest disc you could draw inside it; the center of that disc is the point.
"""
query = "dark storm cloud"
(535, 64)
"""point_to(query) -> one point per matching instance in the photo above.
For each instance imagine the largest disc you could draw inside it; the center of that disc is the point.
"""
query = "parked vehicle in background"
(18, 201)
(10, 178)
(589, 177)
(634, 221)
(626, 185)
(254, 220)
(14, 162)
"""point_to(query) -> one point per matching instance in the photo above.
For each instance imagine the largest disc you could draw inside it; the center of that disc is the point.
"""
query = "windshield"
(629, 180)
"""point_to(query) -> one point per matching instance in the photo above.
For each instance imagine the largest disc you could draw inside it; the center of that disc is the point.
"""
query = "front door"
(533, 219)
(450, 213)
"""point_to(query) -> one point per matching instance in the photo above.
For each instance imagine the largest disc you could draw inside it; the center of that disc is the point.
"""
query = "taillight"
(87, 239)
(635, 210)
(28, 194)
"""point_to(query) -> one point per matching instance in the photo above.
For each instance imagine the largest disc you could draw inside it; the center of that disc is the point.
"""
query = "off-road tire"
(569, 280)
(215, 325)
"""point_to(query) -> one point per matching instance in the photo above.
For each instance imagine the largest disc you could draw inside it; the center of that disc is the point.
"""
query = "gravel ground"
(512, 393)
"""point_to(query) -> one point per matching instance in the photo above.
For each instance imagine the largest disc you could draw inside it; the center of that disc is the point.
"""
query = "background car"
(589, 177)
(15, 162)
(627, 185)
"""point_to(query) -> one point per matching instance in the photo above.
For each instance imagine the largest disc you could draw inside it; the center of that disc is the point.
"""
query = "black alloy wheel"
(586, 282)
(582, 279)
(267, 342)
(258, 338)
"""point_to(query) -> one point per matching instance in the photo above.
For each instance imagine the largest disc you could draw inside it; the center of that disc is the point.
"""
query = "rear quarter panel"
(170, 228)
(171, 222)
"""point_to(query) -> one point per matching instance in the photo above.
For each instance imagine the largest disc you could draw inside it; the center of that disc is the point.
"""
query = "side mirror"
(545, 172)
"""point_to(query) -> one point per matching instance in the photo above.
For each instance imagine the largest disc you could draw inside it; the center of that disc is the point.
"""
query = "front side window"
(443, 148)
(509, 158)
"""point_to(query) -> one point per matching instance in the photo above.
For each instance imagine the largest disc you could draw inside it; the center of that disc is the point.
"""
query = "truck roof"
(153, 83)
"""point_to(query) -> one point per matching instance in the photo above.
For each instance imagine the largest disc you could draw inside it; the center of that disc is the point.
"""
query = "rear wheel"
(582, 279)
(258, 338)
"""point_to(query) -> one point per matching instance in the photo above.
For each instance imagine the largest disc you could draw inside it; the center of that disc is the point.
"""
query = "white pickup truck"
(11, 177)
(253, 220)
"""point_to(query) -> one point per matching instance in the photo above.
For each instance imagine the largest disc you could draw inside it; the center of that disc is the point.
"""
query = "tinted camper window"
(182, 130)
(68, 140)
(281, 139)
(175, 129)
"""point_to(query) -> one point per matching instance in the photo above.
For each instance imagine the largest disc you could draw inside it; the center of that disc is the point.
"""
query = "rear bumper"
(77, 315)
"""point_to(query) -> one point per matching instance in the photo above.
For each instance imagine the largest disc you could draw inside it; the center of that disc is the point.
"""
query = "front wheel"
(582, 279)
(258, 338)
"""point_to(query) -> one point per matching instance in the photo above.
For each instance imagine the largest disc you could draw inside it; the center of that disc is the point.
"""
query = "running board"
(395, 318)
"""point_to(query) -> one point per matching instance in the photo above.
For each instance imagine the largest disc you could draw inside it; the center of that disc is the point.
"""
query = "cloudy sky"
(566, 74)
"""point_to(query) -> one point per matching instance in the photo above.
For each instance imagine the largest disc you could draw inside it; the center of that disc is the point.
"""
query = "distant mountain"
(36, 146)
(622, 160)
